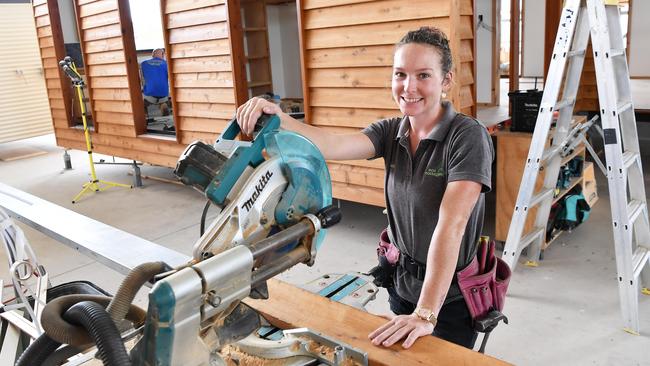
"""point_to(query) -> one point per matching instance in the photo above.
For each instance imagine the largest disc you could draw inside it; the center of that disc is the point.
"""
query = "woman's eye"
(424, 75)
(399, 74)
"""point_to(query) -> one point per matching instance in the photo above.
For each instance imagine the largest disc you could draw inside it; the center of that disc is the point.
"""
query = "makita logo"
(259, 187)
(531, 105)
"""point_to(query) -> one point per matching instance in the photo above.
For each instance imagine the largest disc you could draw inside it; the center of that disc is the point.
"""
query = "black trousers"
(454, 321)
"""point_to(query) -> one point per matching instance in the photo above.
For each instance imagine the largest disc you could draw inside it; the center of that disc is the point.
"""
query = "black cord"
(203, 215)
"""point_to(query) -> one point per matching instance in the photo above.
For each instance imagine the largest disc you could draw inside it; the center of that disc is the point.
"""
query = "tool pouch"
(387, 256)
(484, 281)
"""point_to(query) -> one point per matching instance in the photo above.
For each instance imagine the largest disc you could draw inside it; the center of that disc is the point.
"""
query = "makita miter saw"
(274, 194)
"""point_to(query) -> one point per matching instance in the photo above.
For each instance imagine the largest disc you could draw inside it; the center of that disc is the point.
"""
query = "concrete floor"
(566, 312)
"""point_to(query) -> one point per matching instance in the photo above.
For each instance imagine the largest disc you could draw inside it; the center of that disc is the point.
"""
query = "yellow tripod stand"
(95, 184)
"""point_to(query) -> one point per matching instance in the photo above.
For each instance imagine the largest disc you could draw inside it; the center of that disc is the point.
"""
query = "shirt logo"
(434, 172)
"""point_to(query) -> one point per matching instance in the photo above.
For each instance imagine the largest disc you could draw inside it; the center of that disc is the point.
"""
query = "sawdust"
(327, 352)
(235, 357)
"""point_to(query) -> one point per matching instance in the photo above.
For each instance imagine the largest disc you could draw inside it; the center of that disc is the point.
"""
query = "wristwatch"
(425, 314)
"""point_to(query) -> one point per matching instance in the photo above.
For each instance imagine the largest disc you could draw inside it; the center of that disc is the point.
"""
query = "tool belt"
(412, 266)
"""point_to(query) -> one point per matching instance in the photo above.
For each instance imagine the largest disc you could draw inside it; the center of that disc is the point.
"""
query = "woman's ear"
(447, 81)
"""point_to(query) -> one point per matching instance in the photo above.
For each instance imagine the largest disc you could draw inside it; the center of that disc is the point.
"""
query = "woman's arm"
(350, 146)
(456, 207)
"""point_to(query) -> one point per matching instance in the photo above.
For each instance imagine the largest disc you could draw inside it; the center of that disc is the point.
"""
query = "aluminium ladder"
(579, 20)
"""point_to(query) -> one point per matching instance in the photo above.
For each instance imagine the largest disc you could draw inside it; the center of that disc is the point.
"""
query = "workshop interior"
(142, 225)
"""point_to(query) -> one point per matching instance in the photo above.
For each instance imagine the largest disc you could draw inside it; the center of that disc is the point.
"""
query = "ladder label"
(610, 136)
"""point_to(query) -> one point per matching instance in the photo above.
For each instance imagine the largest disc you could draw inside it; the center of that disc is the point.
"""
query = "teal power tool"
(274, 195)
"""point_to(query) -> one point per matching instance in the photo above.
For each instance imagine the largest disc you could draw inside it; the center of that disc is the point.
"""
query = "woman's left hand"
(409, 326)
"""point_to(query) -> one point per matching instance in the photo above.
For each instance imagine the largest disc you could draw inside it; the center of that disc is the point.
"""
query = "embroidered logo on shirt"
(434, 172)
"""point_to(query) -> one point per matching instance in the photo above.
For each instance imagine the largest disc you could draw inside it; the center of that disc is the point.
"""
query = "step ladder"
(579, 20)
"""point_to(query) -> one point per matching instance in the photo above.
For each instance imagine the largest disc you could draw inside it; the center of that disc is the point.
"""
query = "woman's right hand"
(249, 112)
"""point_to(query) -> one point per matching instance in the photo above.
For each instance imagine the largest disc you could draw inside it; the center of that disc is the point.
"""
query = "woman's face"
(418, 81)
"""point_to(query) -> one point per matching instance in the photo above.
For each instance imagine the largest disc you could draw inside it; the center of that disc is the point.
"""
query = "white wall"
(639, 44)
(484, 49)
(533, 38)
(68, 21)
(284, 44)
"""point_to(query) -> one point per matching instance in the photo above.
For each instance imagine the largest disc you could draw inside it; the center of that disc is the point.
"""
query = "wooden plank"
(216, 47)
(374, 12)
(111, 94)
(97, 7)
(360, 194)
(50, 62)
(205, 110)
(57, 103)
(174, 6)
(112, 106)
(376, 163)
(44, 31)
(199, 33)
(466, 51)
(203, 80)
(352, 326)
(364, 77)
(111, 57)
(59, 114)
(99, 20)
(52, 73)
(103, 45)
(211, 125)
(59, 122)
(314, 4)
(466, 27)
(115, 118)
(466, 97)
(207, 15)
(45, 42)
(466, 7)
(48, 52)
(215, 95)
(466, 73)
(41, 10)
(104, 32)
(53, 83)
(107, 70)
(368, 34)
(187, 137)
(356, 175)
(109, 82)
(350, 117)
(352, 98)
(106, 128)
(42, 20)
(351, 57)
(201, 64)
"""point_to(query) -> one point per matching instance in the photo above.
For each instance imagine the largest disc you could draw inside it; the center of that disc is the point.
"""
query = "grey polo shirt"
(458, 148)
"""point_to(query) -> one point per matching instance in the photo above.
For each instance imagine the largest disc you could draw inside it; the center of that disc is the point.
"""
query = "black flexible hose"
(203, 216)
(38, 351)
(102, 329)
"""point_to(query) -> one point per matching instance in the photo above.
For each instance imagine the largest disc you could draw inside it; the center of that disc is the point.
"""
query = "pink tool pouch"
(484, 281)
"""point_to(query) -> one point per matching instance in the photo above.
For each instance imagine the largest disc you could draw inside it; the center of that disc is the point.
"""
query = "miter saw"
(274, 199)
(274, 196)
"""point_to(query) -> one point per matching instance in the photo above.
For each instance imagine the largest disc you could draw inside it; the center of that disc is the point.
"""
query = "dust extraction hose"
(119, 306)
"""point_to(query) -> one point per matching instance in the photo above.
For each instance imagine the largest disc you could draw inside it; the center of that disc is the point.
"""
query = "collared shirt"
(154, 72)
(458, 148)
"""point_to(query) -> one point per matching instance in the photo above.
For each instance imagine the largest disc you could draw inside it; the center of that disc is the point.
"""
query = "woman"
(438, 165)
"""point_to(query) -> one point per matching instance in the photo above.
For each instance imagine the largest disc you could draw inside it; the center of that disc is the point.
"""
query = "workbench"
(287, 307)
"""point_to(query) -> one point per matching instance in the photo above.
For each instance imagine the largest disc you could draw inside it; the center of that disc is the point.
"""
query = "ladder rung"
(634, 208)
(623, 107)
(536, 233)
(541, 196)
(619, 52)
(564, 103)
(629, 158)
(576, 53)
(639, 260)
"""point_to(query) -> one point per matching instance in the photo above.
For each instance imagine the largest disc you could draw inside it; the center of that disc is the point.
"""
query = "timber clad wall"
(199, 58)
(348, 55)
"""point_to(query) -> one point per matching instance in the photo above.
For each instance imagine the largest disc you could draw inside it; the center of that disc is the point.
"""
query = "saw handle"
(329, 216)
(266, 122)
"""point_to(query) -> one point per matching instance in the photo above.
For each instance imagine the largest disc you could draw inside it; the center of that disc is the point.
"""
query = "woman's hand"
(409, 326)
(249, 112)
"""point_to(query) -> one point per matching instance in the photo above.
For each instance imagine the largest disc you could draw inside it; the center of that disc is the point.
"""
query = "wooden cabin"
(218, 55)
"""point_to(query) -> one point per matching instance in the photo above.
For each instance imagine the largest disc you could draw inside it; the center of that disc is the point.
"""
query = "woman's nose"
(410, 84)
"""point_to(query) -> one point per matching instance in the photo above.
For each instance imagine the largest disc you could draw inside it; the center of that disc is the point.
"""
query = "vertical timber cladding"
(201, 67)
(348, 54)
(50, 41)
